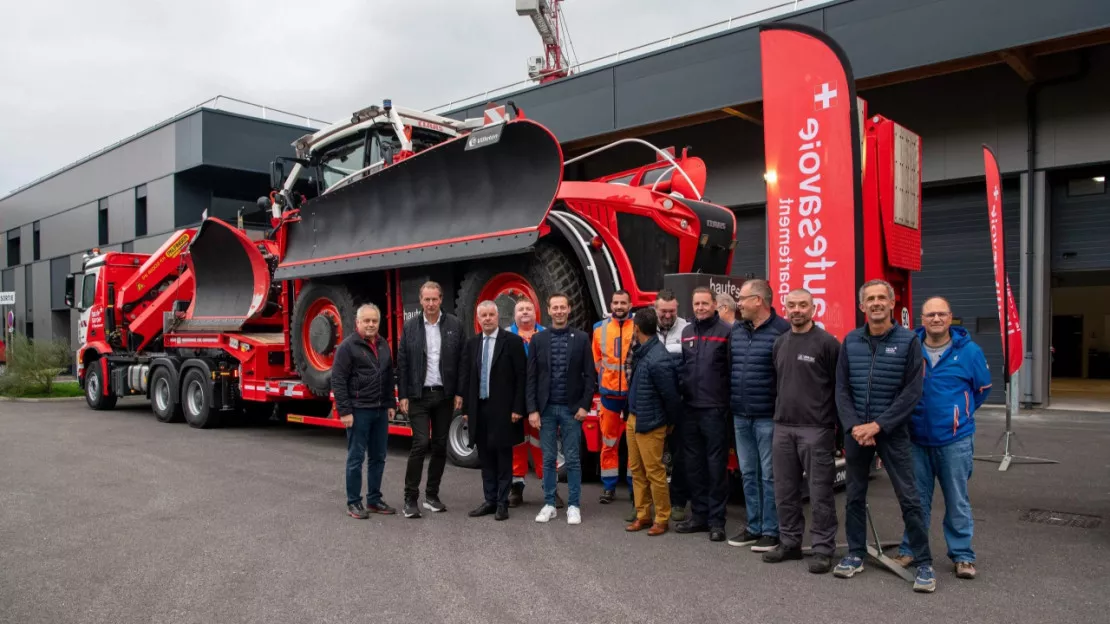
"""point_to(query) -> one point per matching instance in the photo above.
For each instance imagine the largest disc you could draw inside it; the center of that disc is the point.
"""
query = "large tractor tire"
(323, 315)
(545, 270)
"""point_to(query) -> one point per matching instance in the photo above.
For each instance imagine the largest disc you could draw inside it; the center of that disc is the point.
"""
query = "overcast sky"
(78, 76)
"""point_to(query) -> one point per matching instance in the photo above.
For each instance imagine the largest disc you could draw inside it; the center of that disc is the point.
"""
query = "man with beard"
(878, 385)
(705, 388)
(957, 382)
(612, 338)
(670, 334)
(804, 438)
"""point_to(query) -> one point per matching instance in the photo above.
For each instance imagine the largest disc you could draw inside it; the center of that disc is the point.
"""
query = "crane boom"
(545, 17)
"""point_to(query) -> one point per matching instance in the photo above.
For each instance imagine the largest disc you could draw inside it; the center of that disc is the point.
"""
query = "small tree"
(33, 364)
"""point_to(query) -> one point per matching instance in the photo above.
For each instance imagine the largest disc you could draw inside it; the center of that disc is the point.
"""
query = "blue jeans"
(558, 420)
(951, 465)
(366, 439)
(753, 453)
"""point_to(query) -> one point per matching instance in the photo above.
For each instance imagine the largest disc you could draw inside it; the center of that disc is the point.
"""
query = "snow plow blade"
(471, 197)
(231, 276)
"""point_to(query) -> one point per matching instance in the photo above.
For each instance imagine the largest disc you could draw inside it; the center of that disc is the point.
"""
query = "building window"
(29, 292)
(35, 244)
(13, 247)
(1079, 187)
(140, 211)
(102, 222)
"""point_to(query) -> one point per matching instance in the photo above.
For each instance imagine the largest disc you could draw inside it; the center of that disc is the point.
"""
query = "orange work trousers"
(612, 427)
(520, 454)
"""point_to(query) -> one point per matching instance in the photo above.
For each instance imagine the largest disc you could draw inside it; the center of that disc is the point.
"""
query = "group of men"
(782, 385)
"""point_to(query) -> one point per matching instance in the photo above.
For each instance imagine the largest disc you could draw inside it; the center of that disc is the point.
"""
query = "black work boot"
(356, 510)
(516, 495)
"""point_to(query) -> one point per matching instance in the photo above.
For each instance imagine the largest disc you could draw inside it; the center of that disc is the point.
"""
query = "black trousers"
(433, 411)
(896, 451)
(680, 489)
(497, 466)
(796, 450)
(706, 433)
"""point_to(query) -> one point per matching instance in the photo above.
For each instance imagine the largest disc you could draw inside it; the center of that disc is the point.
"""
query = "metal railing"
(229, 104)
(738, 21)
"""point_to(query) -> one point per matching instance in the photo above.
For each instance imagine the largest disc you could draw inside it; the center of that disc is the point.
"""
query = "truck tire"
(323, 315)
(547, 269)
(196, 400)
(457, 450)
(95, 383)
(163, 400)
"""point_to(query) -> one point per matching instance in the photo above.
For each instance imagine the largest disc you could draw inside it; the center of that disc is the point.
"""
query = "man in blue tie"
(492, 378)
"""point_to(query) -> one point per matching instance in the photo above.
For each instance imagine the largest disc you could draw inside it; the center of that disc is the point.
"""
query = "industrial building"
(1028, 78)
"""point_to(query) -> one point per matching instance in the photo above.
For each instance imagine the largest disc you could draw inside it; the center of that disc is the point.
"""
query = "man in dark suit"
(492, 380)
(427, 369)
(561, 385)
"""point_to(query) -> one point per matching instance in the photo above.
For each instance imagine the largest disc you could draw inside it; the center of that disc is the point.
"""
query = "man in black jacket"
(492, 379)
(428, 371)
(559, 394)
(705, 389)
(878, 385)
(753, 406)
(805, 434)
(654, 404)
(362, 383)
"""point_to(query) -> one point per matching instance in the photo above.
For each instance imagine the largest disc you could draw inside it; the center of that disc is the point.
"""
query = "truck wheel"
(94, 388)
(457, 439)
(323, 315)
(196, 399)
(163, 400)
(535, 276)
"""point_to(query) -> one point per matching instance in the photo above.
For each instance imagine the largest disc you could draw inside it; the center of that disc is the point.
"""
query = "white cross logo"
(824, 96)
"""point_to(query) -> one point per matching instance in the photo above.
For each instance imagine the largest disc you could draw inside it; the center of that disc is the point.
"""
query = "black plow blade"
(448, 203)
(232, 279)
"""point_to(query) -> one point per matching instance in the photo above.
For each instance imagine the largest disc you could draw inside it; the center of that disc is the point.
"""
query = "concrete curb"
(43, 400)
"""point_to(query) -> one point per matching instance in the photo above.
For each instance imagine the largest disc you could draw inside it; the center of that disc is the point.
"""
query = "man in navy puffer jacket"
(878, 386)
(754, 389)
(957, 382)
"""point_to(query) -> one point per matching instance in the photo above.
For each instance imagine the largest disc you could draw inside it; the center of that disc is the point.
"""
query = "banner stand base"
(1007, 458)
(875, 551)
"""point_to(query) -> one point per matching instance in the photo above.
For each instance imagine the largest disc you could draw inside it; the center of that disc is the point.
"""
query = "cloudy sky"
(78, 76)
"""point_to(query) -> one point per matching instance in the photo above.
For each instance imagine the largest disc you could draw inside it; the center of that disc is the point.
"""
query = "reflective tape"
(534, 441)
(611, 472)
(609, 441)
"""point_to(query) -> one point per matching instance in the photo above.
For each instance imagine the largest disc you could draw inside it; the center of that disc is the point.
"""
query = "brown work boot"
(965, 570)
(904, 560)
(638, 525)
(657, 529)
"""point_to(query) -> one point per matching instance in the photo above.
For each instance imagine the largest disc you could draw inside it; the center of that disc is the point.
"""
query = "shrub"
(33, 364)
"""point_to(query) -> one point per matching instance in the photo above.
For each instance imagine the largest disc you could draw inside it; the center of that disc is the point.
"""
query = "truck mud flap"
(231, 276)
(471, 197)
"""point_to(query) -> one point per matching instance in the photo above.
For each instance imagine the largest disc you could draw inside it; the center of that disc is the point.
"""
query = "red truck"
(220, 321)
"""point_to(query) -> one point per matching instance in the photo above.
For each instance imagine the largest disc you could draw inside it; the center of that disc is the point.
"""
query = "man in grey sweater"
(804, 439)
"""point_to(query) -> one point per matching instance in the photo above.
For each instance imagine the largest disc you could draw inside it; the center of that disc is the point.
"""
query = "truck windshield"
(88, 290)
(342, 160)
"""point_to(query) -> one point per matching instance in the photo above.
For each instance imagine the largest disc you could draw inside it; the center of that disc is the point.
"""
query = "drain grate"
(1061, 518)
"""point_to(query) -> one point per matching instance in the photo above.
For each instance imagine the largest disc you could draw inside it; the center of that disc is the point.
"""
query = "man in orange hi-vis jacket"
(611, 341)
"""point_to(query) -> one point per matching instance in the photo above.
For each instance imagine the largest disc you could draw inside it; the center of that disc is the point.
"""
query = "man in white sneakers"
(559, 393)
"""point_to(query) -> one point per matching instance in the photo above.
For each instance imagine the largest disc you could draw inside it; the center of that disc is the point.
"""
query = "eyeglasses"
(937, 315)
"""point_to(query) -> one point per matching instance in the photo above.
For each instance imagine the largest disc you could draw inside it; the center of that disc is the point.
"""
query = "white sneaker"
(574, 516)
(547, 513)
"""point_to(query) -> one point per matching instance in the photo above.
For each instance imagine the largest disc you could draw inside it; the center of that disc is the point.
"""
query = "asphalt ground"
(114, 517)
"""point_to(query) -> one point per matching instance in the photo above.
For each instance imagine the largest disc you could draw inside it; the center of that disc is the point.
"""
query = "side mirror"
(69, 291)
(277, 174)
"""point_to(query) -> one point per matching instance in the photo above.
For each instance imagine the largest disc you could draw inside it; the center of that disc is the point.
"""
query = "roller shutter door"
(1080, 227)
(956, 263)
(750, 258)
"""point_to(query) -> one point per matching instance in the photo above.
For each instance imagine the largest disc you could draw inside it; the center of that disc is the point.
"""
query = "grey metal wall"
(879, 37)
(957, 264)
(243, 143)
(750, 257)
(1080, 229)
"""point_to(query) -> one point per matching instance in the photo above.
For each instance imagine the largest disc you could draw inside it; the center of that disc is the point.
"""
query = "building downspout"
(1031, 328)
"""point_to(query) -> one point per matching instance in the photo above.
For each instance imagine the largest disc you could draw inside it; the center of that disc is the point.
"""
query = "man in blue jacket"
(654, 403)
(957, 382)
(754, 389)
(878, 386)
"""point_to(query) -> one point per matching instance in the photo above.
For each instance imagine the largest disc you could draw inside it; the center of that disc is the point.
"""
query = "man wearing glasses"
(957, 382)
